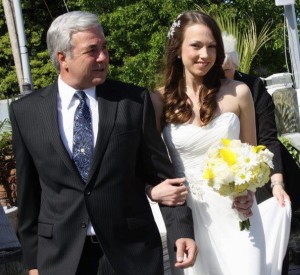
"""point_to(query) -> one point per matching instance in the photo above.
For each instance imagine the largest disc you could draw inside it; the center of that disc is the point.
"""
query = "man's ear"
(61, 57)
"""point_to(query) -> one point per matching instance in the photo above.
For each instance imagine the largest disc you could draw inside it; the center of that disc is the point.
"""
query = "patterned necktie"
(82, 137)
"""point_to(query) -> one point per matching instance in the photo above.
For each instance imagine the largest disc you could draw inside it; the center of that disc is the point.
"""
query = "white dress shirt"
(66, 106)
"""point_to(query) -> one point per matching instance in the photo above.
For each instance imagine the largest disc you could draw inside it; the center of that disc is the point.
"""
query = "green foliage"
(43, 70)
(5, 145)
(37, 16)
(248, 42)
(136, 36)
(253, 43)
(292, 150)
(136, 32)
(9, 83)
(5, 138)
(99, 6)
(261, 12)
(5, 126)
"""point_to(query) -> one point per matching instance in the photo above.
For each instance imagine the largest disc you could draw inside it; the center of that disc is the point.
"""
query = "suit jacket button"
(83, 225)
(87, 193)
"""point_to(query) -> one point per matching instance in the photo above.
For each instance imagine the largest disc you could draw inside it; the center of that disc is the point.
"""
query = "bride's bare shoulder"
(235, 86)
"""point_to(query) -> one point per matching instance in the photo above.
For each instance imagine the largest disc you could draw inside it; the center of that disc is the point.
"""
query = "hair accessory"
(230, 48)
(175, 24)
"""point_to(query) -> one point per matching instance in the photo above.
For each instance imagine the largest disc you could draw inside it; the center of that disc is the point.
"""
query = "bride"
(195, 109)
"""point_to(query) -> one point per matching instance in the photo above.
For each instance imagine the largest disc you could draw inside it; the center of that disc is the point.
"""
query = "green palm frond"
(248, 42)
(247, 48)
(251, 43)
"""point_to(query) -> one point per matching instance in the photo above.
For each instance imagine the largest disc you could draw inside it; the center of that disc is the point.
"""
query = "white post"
(22, 45)
(294, 48)
(289, 13)
(12, 32)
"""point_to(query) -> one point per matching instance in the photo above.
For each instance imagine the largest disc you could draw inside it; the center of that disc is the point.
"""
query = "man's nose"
(102, 55)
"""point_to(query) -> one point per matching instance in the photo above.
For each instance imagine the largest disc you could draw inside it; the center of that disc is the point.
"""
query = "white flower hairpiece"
(175, 24)
(229, 42)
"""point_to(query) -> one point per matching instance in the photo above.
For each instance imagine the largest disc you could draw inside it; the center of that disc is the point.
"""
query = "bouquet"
(234, 167)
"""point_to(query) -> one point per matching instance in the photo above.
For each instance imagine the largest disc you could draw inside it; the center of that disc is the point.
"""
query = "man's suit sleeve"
(266, 124)
(28, 189)
(178, 220)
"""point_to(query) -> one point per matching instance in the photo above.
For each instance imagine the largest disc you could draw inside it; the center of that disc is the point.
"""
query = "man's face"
(87, 66)
(229, 69)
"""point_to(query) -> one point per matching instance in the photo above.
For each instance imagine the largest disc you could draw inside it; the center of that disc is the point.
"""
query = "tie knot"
(80, 95)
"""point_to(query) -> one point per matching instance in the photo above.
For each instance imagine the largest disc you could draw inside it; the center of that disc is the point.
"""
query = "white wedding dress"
(223, 248)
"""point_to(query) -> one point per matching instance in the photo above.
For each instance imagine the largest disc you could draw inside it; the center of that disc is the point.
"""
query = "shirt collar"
(66, 94)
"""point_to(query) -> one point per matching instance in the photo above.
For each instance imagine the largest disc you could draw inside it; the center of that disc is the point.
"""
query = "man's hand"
(33, 272)
(186, 252)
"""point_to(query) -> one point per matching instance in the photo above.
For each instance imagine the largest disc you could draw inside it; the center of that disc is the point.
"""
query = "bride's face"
(198, 51)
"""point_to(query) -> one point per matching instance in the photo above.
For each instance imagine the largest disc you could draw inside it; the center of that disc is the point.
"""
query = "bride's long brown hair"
(176, 106)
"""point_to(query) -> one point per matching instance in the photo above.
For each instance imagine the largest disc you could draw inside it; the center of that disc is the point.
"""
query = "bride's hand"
(243, 204)
(171, 192)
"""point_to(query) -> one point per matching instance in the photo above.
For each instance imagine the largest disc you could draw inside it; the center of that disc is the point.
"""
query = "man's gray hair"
(59, 35)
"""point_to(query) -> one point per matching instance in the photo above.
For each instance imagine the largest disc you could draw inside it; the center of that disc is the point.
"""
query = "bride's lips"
(202, 64)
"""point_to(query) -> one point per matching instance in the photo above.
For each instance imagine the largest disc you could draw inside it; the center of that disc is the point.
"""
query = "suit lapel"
(107, 106)
(48, 110)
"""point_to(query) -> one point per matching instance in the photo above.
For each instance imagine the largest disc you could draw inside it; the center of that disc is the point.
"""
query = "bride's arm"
(247, 115)
(248, 135)
(248, 129)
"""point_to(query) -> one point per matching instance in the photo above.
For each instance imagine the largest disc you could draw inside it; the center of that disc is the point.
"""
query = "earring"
(178, 56)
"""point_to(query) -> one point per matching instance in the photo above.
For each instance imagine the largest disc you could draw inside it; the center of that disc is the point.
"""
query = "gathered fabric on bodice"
(188, 143)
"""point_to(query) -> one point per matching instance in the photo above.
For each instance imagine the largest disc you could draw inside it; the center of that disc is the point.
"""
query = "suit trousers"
(93, 261)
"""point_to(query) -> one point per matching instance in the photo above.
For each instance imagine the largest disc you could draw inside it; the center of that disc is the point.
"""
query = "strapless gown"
(223, 248)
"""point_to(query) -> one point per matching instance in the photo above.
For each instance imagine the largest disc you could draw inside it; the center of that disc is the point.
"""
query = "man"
(85, 147)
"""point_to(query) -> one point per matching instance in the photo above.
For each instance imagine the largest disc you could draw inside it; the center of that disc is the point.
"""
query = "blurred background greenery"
(136, 33)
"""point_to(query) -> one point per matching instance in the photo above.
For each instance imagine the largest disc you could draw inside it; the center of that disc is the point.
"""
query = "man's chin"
(99, 80)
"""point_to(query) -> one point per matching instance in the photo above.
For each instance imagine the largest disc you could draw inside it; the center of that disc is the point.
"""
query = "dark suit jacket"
(54, 204)
(266, 132)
